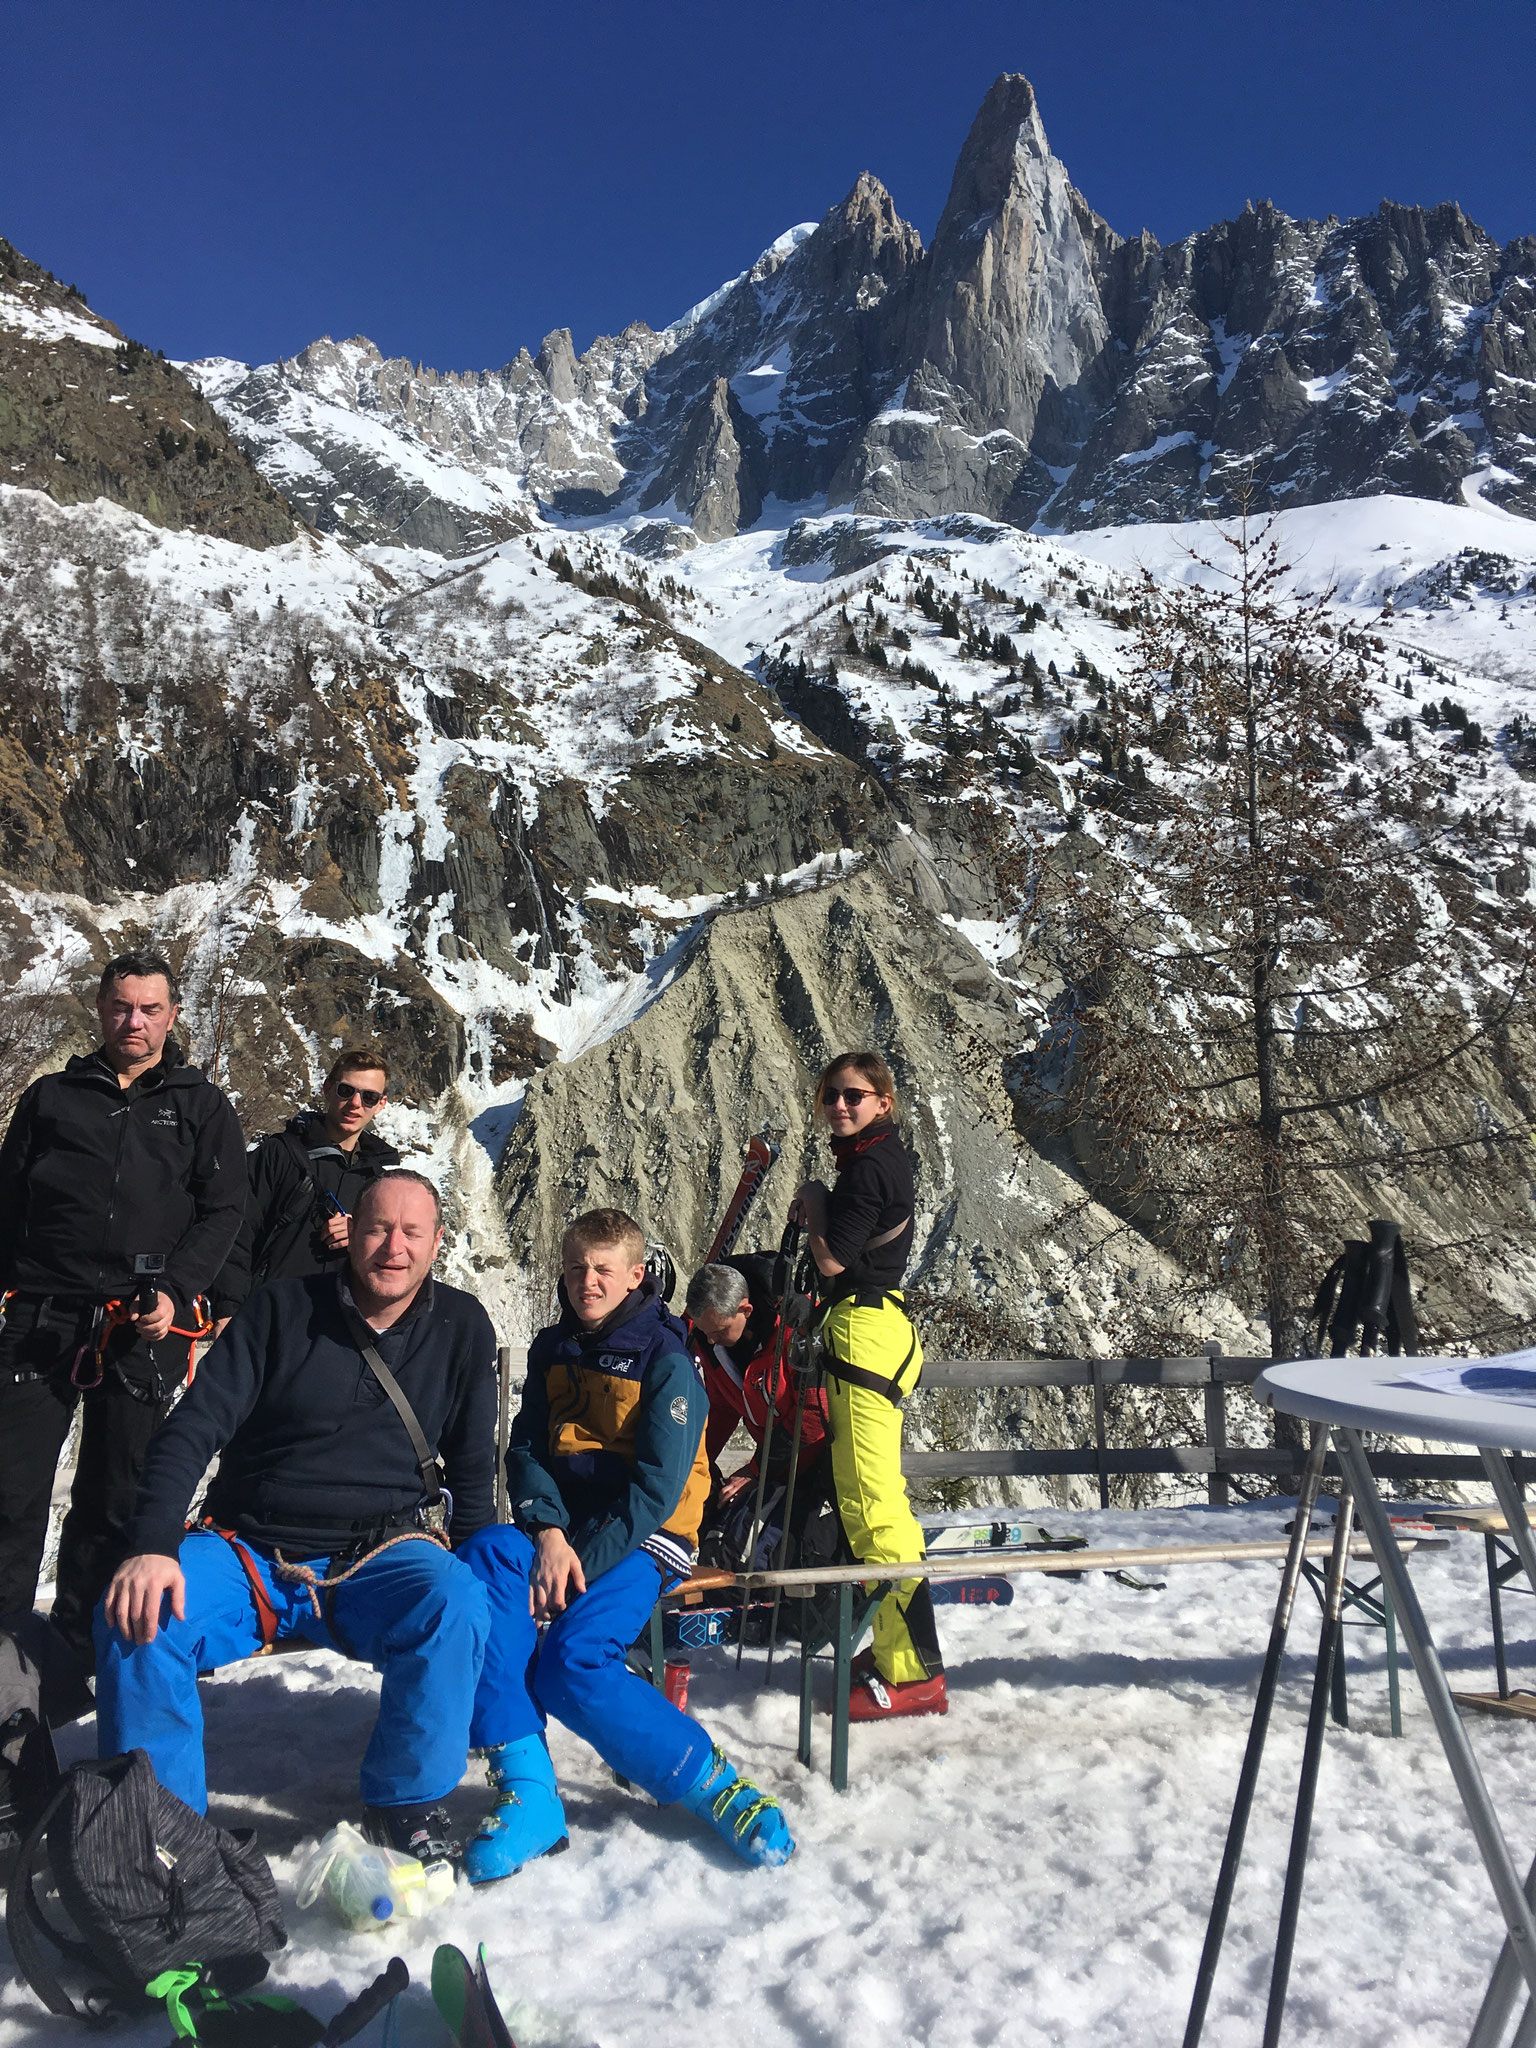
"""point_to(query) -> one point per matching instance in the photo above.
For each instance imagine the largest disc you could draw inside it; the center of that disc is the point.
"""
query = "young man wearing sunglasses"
(305, 1182)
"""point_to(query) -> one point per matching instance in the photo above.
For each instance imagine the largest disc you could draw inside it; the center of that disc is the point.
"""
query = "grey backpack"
(147, 1885)
(28, 1771)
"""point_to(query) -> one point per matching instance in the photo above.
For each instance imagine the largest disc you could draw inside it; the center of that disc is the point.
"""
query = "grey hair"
(417, 1179)
(715, 1291)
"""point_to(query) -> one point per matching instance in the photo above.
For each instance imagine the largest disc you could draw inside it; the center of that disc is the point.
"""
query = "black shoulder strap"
(425, 1456)
(299, 1152)
(32, 1940)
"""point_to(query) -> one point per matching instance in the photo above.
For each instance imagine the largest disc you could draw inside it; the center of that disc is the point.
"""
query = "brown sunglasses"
(830, 1097)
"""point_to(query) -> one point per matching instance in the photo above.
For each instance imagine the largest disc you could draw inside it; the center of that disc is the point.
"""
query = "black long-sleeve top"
(314, 1456)
(873, 1194)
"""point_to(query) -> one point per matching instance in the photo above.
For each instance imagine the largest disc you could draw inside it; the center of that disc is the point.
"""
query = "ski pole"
(367, 2005)
(1253, 1755)
(803, 1380)
(1311, 1763)
(787, 1253)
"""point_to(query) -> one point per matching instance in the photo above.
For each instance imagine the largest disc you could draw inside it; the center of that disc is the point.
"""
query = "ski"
(705, 1628)
(948, 1542)
(465, 2002)
(982, 1592)
(761, 1153)
(498, 2025)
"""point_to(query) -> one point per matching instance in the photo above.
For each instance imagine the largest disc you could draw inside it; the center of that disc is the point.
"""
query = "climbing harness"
(114, 1315)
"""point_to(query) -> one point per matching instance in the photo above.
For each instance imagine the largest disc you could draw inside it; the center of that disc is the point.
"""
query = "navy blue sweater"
(314, 1456)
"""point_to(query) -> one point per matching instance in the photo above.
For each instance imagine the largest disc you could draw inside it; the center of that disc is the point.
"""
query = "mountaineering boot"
(527, 1819)
(424, 1832)
(873, 1698)
(749, 1820)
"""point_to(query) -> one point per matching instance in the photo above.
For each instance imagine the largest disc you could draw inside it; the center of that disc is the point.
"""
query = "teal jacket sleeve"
(532, 1494)
(673, 1410)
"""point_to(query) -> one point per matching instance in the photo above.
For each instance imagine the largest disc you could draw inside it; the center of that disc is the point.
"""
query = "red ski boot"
(873, 1698)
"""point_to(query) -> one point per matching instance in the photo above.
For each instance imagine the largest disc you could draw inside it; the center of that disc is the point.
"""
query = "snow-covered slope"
(1036, 1868)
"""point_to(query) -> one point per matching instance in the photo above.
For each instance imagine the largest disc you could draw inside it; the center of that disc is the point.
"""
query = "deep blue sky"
(237, 176)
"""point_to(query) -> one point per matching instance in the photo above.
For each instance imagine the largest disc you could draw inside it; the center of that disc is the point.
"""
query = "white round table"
(1366, 1393)
(1348, 1395)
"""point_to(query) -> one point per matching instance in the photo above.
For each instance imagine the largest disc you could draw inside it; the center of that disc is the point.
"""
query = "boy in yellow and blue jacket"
(607, 1478)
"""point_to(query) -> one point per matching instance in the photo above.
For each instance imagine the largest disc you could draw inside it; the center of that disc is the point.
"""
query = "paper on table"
(1491, 1379)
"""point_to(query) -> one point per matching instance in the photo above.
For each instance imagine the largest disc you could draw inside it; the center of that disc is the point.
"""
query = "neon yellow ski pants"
(872, 1498)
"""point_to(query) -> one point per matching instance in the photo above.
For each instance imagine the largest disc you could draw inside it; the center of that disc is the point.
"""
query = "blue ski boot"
(751, 1822)
(527, 1819)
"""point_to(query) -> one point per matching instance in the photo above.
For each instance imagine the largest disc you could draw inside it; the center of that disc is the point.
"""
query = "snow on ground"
(1035, 1869)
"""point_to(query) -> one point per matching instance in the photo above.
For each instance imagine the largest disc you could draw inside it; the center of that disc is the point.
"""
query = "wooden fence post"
(1100, 1439)
(1218, 1488)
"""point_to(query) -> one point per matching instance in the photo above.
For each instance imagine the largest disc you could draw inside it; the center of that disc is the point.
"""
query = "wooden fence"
(1213, 1374)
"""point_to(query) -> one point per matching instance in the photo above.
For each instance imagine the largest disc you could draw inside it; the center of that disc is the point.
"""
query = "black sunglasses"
(370, 1098)
(830, 1097)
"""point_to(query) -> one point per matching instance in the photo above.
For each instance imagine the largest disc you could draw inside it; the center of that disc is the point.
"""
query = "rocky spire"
(712, 478)
(1010, 303)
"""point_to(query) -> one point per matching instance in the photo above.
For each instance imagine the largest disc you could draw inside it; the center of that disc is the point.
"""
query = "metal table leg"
(807, 1686)
(1394, 1689)
(1258, 1729)
(1328, 1649)
(1507, 1494)
(840, 1681)
(1496, 1612)
(1504, 1986)
(1484, 1822)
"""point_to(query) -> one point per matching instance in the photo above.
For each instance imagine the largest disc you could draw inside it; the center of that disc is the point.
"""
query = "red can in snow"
(675, 1683)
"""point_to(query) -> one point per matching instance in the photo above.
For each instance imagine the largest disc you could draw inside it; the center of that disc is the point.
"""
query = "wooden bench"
(850, 1622)
(1503, 1565)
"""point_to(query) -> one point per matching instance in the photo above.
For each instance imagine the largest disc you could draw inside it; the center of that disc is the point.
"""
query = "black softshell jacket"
(92, 1174)
(290, 1175)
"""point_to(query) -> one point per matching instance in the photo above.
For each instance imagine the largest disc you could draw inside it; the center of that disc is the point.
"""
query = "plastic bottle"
(365, 1885)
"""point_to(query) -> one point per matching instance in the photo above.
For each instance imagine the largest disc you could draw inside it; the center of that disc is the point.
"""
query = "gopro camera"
(147, 1267)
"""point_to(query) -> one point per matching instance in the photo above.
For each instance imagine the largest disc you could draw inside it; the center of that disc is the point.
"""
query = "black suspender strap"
(855, 1375)
(431, 1478)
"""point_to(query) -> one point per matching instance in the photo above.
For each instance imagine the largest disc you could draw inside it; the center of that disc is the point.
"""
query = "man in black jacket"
(316, 1521)
(122, 1181)
(305, 1181)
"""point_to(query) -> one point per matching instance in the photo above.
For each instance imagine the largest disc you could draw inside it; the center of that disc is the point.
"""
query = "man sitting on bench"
(325, 1519)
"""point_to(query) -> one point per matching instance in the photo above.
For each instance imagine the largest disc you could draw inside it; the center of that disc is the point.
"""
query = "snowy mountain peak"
(1031, 367)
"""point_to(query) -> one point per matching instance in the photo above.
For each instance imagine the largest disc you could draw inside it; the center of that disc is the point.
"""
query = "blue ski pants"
(578, 1672)
(414, 1613)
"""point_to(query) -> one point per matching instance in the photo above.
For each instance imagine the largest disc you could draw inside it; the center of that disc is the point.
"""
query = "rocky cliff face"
(1032, 366)
(86, 413)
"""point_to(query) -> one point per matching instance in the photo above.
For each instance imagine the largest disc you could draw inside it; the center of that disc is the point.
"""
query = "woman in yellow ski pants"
(860, 1233)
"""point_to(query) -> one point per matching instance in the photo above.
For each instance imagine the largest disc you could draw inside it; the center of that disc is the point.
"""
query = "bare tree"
(1283, 993)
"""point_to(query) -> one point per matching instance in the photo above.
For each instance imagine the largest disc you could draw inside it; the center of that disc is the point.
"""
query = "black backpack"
(148, 1885)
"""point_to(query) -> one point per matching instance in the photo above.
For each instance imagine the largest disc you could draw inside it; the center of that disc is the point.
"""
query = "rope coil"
(304, 1575)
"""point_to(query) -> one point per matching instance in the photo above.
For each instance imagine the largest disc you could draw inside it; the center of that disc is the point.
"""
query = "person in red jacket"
(733, 1314)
